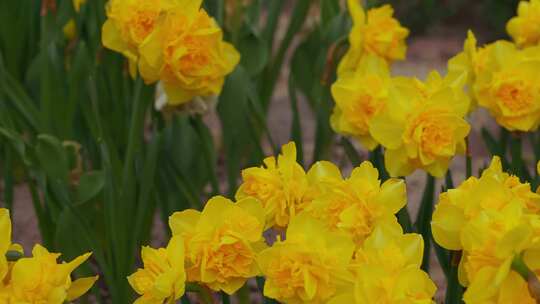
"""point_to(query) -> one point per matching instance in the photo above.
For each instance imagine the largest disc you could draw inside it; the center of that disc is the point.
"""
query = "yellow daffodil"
(492, 219)
(508, 88)
(359, 96)
(309, 266)
(162, 280)
(494, 190)
(129, 23)
(359, 203)
(423, 126)
(388, 270)
(525, 27)
(377, 33)
(282, 186)
(187, 53)
(221, 242)
(40, 279)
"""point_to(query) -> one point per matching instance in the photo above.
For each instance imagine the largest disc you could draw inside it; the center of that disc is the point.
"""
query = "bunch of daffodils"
(175, 42)
(501, 76)
(494, 220)
(331, 234)
(38, 279)
(420, 124)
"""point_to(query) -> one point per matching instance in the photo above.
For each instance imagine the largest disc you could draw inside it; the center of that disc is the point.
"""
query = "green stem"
(423, 221)
(225, 298)
(404, 219)
(517, 155)
(520, 267)
(204, 293)
(454, 291)
(377, 159)
(243, 294)
(351, 152)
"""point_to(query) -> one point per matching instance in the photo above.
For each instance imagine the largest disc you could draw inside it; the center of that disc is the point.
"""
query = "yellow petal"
(5, 231)
(80, 286)
(393, 195)
(446, 225)
(184, 222)
(324, 171)
(112, 38)
(357, 12)
(175, 252)
(254, 208)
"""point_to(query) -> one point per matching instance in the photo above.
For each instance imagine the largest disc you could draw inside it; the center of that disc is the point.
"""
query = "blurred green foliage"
(420, 15)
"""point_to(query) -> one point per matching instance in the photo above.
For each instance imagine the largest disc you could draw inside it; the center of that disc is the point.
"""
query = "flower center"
(516, 98)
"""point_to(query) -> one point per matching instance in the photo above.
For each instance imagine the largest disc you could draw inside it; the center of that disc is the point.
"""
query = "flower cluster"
(495, 221)
(175, 42)
(331, 233)
(387, 270)
(420, 124)
(36, 279)
(501, 76)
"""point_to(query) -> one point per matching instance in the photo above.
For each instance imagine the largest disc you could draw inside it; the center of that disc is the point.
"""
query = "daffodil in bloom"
(508, 86)
(221, 242)
(309, 266)
(186, 52)
(423, 125)
(162, 280)
(359, 96)
(41, 279)
(129, 23)
(282, 186)
(387, 269)
(359, 203)
(493, 220)
(525, 27)
(377, 33)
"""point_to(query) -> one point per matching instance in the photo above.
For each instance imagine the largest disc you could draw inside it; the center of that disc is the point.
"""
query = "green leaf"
(16, 141)
(296, 128)
(90, 186)
(351, 152)
(329, 9)
(254, 54)
(235, 121)
(52, 157)
(68, 235)
(454, 290)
